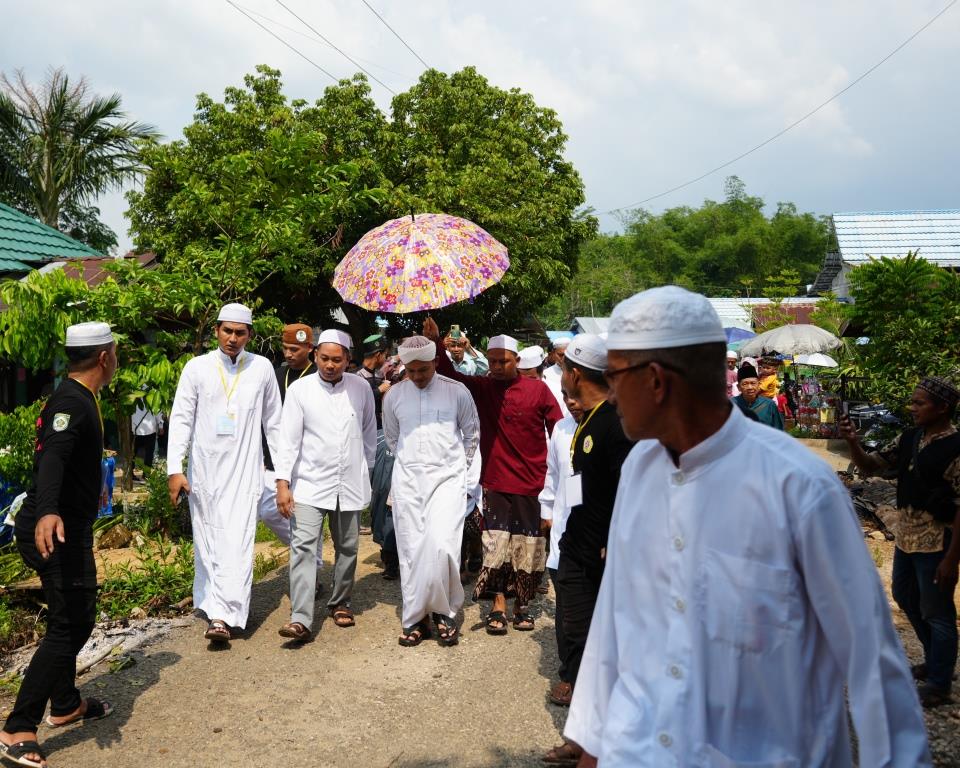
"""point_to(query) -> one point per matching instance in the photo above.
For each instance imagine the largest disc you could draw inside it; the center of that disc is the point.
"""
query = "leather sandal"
(295, 631)
(217, 632)
(561, 694)
(342, 616)
(567, 753)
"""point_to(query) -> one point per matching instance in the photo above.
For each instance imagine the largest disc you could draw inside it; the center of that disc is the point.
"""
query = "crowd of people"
(715, 602)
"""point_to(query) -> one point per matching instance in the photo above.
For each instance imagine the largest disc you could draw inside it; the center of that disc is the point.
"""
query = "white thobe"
(225, 470)
(328, 442)
(434, 433)
(551, 377)
(553, 503)
(728, 623)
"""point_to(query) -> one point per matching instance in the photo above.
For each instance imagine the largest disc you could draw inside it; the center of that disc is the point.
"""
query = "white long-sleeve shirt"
(328, 442)
(551, 377)
(731, 617)
(553, 504)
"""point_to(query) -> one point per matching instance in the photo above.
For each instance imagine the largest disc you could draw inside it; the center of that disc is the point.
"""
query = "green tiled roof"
(27, 244)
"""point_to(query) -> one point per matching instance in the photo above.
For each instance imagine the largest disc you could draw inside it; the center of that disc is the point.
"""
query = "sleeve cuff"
(175, 469)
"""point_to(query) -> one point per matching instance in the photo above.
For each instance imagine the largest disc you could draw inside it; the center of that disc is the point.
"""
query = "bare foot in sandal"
(22, 748)
(89, 709)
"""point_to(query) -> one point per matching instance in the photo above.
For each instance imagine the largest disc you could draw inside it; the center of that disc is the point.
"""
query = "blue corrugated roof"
(25, 243)
(934, 233)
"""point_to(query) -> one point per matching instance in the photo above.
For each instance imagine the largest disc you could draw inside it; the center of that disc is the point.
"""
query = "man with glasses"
(729, 627)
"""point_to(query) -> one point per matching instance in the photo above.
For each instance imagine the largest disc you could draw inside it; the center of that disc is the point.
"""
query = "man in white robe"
(223, 400)
(552, 374)
(431, 426)
(728, 626)
(327, 450)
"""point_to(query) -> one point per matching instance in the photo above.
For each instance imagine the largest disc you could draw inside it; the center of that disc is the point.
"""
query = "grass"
(162, 577)
(877, 552)
(264, 534)
(264, 564)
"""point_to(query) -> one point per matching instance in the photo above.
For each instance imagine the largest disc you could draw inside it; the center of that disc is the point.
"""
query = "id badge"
(226, 424)
(573, 491)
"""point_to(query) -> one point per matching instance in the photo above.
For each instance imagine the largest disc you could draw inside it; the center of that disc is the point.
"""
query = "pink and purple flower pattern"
(427, 262)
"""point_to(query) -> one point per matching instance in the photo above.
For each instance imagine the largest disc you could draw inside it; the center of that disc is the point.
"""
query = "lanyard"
(96, 401)
(573, 443)
(223, 379)
(286, 378)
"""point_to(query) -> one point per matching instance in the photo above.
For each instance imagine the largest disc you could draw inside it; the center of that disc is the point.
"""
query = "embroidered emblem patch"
(301, 336)
(588, 444)
(60, 421)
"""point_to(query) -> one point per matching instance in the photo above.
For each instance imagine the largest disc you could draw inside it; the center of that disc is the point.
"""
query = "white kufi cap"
(731, 355)
(417, 348)
(89, 335)
(333, 336)
(235, 313)
(504, 342)
(531, 357)
(561, 342)
(664, 318)
(588, 350)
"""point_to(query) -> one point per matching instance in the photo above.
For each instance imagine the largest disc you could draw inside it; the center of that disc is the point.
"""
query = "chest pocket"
(749, 604)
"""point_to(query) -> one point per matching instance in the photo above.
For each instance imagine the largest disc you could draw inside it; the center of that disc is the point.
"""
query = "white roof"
(738, 312)
(935, 234)
(595, 325)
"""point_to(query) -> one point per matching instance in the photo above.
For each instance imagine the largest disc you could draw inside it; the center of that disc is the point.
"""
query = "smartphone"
(455, 332)
(845, 409)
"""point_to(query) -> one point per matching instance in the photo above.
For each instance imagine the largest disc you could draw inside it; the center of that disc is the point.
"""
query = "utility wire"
(397, 35)
(792, 125)
(373, 77)
(276, 36)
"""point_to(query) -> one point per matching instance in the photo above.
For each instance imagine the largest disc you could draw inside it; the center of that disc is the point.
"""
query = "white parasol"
(799, 339)
(817, 360)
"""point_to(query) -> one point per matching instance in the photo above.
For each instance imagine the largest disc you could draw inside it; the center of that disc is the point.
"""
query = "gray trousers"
(306, 540)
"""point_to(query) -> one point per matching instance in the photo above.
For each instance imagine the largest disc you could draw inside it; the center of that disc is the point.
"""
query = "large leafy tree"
(61, 147)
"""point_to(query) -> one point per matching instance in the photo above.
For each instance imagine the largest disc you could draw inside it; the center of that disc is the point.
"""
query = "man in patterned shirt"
(927, 461)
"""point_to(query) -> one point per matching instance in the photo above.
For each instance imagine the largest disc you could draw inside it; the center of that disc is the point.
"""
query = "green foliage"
(830, 314)
(264, 564)
(910, 310)
(12, 567)
(18, 437)
(263, 533)
(154, 514)
(161, 577)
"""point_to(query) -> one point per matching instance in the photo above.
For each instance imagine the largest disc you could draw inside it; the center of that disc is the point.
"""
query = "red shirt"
(514, 417)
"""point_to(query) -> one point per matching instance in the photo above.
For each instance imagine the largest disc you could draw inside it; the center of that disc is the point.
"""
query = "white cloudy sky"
(651, 94)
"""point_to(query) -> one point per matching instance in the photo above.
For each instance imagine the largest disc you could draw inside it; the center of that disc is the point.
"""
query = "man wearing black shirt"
(54, 531)
(598, 450)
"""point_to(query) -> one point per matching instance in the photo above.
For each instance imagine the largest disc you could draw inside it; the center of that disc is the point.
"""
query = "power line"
(328, 42)
(276, 36)
(397, 35)
(792, 125)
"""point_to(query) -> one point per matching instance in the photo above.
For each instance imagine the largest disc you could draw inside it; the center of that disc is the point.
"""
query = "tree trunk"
(125, 433)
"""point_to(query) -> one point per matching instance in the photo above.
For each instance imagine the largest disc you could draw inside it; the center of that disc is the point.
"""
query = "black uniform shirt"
(598, 453)
(66, 465)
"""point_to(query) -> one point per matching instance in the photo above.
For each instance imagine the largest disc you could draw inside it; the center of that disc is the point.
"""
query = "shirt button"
(678, 478)
(665, 739)
(680, 605)
(678, 543)
(675, 672)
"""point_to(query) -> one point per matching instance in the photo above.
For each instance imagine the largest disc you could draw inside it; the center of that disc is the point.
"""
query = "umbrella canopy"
(817, 360)
(420, 262)
(799, 339)
(738, 334)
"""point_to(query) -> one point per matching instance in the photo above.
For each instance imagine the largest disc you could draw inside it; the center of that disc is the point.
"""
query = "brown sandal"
(561, 694)
(217, 632)
(567, 753)
(295, 631)
(342, 616)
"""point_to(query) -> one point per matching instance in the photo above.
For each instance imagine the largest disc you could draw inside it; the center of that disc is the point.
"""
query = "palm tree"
(61, 147)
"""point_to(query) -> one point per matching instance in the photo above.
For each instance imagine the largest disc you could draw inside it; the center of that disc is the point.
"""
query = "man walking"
(721, 634)
(54, 531)
(323, 466)
(224, 398)
(432, 428)
(552, 373)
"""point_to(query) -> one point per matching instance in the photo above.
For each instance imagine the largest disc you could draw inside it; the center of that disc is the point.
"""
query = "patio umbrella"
(817, 360)
(738, 334)
(420, 262)
(799, 339)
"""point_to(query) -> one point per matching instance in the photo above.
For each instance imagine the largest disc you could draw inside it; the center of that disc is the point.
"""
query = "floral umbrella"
(420, 262)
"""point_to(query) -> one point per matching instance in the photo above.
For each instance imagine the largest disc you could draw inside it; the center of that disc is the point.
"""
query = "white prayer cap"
(731, 355)
(664, 318)
(504, 342)
(561, 342)
(89, 335)
(531, 357)
(235, 313)
(417, 348)
(588, 350)
(333, 336)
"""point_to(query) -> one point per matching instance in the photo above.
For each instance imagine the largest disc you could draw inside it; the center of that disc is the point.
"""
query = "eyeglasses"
(611, 376)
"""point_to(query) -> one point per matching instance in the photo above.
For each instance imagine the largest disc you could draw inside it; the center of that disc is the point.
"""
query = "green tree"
(61, 147)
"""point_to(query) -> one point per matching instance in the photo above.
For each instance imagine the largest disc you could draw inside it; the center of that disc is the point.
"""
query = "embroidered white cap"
(561, 341)
(531, 357)
(664, 318)
(504, 342)
(235, 313)
(417, 348)
(333, 336)
(89, 335)
(588, 350)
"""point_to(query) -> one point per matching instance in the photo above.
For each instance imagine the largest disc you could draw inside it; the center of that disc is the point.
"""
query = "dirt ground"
(351, 697)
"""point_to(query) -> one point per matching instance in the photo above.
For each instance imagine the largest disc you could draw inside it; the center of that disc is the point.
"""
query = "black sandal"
(96, 710)
(523, 621)
(414, 635)
(16, 753)
(447, 632)
(499, 617)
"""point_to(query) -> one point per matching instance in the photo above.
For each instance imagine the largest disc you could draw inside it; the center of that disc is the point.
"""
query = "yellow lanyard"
(96, 401)
(223, 380)
(286, 378)
(580, 427)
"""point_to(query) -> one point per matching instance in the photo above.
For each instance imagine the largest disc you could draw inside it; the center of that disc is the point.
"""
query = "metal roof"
(590, 324)
(25, 243)
(738, 312)
(864, 234)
